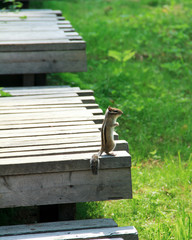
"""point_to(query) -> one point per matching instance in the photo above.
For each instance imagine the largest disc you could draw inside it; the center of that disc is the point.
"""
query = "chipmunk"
(107, 138)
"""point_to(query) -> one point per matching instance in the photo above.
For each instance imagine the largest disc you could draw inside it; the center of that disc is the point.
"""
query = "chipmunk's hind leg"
(111, 153)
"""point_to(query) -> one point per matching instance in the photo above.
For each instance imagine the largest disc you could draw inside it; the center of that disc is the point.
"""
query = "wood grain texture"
(57, 226)
(126, 233)
(65, 187)
(61, 163)
(58, 62)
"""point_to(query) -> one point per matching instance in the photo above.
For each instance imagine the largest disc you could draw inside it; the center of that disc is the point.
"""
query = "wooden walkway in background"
(47, 137)
(39, 42)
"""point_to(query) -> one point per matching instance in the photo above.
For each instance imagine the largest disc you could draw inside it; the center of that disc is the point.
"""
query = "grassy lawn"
(139, 60)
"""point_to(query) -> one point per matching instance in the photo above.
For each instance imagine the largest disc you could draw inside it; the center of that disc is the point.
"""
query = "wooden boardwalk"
(39, 42)
(47, 137)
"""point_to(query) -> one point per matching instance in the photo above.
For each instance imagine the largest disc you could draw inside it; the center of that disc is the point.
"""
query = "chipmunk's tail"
(94, 164)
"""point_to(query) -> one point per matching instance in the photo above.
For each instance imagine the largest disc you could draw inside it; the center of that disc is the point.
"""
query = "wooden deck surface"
(47, 137)
(39, 41)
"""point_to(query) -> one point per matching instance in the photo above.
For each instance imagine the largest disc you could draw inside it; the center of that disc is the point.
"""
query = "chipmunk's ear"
(109, 108)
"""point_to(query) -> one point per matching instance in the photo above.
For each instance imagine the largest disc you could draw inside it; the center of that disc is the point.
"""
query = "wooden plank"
(5, 109)
(37, 28)
(25, 18)
(57, 149)
(49, 56)
(46, 124)
(44, 91)
(39, 115)
(40, 96)
(65, 187)
(31, 22)
(42, 62)
(31, 12)
(28, 28)
(36, 102)
(49, 131)
(42, 45)
(126, 233)
(34, 27)
(52, 145)
(11, 14)
(52, 119)
(60, 163)
(18, 36)
(58, 24)
(51, 139)
(52, 109)
(57, 226)
(48, 95)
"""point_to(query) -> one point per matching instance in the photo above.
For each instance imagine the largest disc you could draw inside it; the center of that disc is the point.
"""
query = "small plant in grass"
(122, 58)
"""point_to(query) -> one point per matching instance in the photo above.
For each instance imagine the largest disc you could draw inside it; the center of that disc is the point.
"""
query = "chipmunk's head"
(114, 111)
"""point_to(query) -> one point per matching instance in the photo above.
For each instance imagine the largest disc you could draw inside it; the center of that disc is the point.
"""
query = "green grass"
(161, 207)
(154, 90)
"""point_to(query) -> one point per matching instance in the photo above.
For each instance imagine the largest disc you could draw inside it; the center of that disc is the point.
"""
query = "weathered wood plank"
(18, 36)
(57, 149)
(40, 96)
(44, 62)
(31, 12)
(45, 124)
(42, 88)
(50, 131)
(65, 187)
(57, 226)
(60, 163)
(45, 96)
(51, 139)
(19, 109)
(59, 108)
(69, 113)
(126, 233)
(54, 139)
(31, 22)
(97, 119)
(52, 145)
(42, 45)
(28, 28)
(25, 18)
(33, 91)
(36, 102)
(50, 56)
